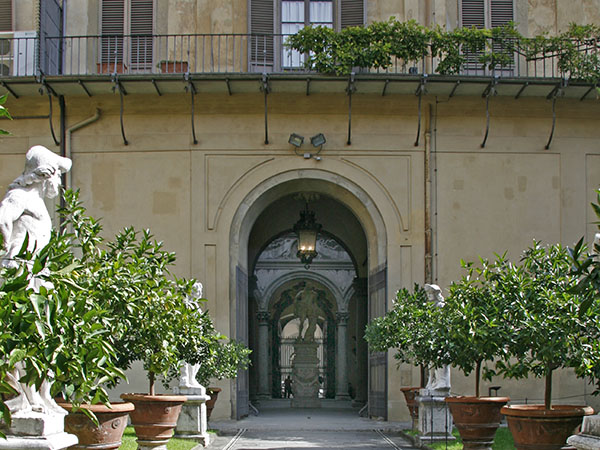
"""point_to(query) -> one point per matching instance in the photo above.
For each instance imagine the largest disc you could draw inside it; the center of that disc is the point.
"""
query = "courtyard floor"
(278, 427)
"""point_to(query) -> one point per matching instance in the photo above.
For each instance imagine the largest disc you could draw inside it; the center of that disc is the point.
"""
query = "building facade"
(177, 115)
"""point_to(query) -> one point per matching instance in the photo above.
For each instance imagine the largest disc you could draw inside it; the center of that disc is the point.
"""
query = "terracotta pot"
(173, 66)
(410, 395)
(107, 434)
(110, 68)
(213, 392)
(477, 419)
(534, 427)
(155, 417)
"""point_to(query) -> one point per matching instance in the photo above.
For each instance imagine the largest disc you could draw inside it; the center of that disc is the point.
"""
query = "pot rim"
(153, 398)
(410, 388)
(115, 407)
(473, 399)
(538, 410)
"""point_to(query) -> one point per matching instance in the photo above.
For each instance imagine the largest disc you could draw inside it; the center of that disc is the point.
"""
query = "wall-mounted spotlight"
(318, 140)
(296, 140)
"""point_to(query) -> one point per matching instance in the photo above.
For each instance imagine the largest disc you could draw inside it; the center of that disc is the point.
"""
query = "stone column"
(341, 389)
(263, 355)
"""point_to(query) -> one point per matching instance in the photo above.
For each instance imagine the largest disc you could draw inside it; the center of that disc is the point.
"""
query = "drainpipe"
(69, 132)
(427, 201)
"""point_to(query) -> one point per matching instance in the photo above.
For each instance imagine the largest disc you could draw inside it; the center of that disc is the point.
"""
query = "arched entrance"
(261, 308)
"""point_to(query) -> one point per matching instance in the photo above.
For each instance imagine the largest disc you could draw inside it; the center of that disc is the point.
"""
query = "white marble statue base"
(192, 423)
(435, 420)
(56, 441)
(589, 439)
(37, 431)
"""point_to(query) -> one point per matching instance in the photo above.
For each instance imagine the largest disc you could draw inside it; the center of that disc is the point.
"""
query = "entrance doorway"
(351, 221)
(277, 280)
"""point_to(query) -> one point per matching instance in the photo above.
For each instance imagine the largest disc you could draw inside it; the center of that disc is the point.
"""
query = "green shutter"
(141, 28)
(6, 15)
(473, 13)
(262, 28)
(112, 18)
(501, 12)
(352, 13)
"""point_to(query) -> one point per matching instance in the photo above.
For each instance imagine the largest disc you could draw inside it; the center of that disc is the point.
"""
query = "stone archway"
(370, 263)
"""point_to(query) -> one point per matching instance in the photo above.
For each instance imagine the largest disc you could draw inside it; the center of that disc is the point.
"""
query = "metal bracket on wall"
(419, 92)
(351, 89)
(554, 93)
(489, 91)
(49, 91)
(122, 92)
(8, 88)
(592, 87)
(84, 87)
(266, 88)
(192, 90)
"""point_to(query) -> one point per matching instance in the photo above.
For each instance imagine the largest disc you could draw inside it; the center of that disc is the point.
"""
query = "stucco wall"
(487, 200)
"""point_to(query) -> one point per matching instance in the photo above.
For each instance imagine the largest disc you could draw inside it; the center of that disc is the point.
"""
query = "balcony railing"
(209, 54)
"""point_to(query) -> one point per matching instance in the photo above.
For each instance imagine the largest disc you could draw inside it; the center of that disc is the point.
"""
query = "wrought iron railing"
(212, 54)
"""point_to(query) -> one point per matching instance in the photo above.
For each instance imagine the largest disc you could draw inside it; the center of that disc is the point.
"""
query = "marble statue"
(306, 309)
(23, 212)
(187, 378)
(439, 378)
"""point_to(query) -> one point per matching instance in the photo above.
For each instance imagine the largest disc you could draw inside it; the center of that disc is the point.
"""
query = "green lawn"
(129, 442)
(502, 441)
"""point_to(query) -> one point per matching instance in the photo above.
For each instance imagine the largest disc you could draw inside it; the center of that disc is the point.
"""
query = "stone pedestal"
(589, 439)
(192, 422)
(305, 376)
(435, 420)
(37, 431)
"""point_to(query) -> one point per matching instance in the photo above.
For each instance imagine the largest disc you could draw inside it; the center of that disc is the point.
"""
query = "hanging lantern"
(306, 229)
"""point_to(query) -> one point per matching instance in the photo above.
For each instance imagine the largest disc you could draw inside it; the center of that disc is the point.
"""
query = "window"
(272, 20)
(126, 27)
(297, 14)
(486, 14)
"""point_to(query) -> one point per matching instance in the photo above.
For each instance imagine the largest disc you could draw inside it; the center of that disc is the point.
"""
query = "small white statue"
(23, 212)
(439, 378)
(187, 378)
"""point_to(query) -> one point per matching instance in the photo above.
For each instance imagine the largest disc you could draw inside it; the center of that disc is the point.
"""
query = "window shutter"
(262, 29)
(501, 12)
(6, 15)
(352, 13)
(113, 25)
(473, 13)
(141, 29)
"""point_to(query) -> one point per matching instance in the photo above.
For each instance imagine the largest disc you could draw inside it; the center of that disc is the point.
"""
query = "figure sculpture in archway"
(306, 309)
(439, 378)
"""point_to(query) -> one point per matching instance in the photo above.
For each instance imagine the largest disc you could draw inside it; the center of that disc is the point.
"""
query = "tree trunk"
(477, 378)
(548, 390)
(151, 378)
(423, 377)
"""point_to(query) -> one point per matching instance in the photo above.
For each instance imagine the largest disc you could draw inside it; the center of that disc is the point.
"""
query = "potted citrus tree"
(409, 328)
(57, 334)
(476, 333)
(549, 331)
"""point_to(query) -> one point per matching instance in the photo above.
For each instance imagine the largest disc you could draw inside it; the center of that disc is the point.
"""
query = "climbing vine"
(382, 44)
